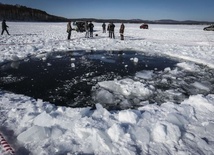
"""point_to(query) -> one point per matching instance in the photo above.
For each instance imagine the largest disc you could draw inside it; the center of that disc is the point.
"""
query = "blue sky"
(202, 10)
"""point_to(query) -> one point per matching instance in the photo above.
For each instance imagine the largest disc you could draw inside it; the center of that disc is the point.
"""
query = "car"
(209, 28)
(79, 26)
(144, 26)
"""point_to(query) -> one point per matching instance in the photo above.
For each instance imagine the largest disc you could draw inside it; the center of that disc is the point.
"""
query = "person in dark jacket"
(4, 27)
(111, 30)
(69, 29)
(91, 28)
(104, 28)
(122, 27)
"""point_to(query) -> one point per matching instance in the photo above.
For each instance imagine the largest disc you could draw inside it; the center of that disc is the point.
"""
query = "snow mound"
(144, 74)
(127, 87)
(189, 66)
(35, 133)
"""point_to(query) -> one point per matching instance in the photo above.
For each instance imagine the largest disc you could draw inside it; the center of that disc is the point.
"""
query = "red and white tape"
(6, 146)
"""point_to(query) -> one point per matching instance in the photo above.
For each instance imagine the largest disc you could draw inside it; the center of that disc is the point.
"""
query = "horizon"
(125, 10)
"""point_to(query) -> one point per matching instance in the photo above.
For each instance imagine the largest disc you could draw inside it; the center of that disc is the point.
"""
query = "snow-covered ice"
(32, 126)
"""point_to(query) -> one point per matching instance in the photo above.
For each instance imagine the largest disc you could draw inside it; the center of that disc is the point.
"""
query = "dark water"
(66, 78)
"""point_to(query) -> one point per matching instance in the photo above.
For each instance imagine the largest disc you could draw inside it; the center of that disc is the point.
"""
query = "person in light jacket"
(86, 30)
(122, 27)
(69, 29)
(4, 27)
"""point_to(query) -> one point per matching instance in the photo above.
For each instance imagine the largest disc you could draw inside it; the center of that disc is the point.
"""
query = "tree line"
(22, 13)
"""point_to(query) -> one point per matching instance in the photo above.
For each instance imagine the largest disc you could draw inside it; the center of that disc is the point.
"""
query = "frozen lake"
(179, 122)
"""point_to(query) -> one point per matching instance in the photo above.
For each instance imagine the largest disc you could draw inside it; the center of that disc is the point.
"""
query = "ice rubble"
(152, 129)
(150, 86)
(169, 128)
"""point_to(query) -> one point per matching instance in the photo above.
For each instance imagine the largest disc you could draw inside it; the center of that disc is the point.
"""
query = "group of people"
(89, 28)
(110, 29)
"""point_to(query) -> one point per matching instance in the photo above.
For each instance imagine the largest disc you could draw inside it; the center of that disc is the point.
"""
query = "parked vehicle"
(209, 28)
(79, 26)
(144, 26)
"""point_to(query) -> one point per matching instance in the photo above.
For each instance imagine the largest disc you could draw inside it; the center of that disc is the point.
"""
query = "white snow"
(32, 126)
(126, 87)
(189, 66)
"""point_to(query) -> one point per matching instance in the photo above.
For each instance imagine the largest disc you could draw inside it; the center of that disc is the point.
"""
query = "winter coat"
(86, 26)
(111, 27)
(104, 25)
(108, 28)
(4, 25)
(69, 28)
(91, 27)
(122, 27)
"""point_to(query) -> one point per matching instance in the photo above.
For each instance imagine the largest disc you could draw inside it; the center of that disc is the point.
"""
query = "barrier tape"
(6, 146)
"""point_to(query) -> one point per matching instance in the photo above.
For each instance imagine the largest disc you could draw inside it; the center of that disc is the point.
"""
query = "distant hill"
(189, 22)
(22, 13)
(163, 21)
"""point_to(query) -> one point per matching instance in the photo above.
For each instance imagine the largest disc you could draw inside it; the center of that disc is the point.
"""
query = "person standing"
(108, 29)
(4, 27)
(111, 29)
(104, 28)
(86, 30)
(91, 28)
(122, 27)
(69, 29)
